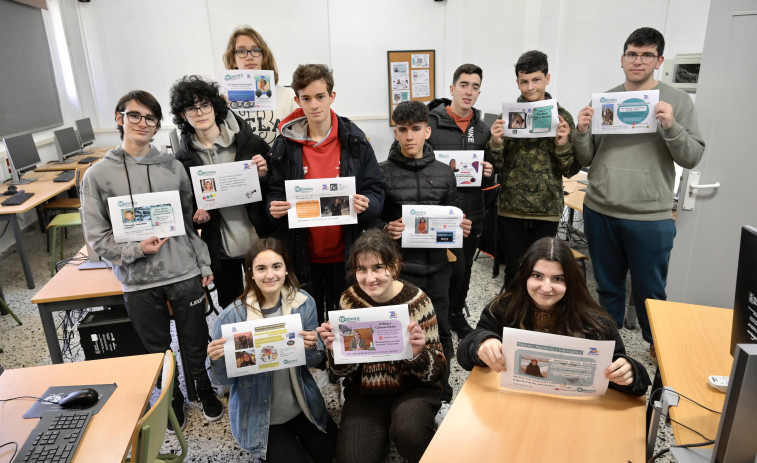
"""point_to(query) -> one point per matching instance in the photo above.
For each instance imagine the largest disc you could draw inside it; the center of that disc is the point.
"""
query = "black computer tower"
(109, 333)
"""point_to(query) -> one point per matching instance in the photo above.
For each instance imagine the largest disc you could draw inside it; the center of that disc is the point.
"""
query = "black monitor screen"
(86, 134)
(745, 304)
(22, 152)
(67, 142)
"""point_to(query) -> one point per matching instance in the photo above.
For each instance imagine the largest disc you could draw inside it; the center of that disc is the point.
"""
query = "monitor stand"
(67, 161)
(89, 265)
(23, 181)
(691, 455)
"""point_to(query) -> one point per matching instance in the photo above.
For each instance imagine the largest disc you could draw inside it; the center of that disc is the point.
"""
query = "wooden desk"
(692, 342)
(575, 198)
(57, 166)
(44, 188)
(72, 289)
(489, 424)
(110, 431)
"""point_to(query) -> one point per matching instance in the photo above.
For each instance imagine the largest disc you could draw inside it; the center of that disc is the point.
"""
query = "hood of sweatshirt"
(295, 127)
(118, 155)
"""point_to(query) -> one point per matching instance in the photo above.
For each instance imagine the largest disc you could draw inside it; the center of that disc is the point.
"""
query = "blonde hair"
(269, 63)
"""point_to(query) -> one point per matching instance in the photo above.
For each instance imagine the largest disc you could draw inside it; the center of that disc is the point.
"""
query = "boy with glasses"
(156, 270)
(627, 209)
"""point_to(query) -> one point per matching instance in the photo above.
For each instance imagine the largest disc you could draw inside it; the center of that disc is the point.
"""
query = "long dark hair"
(266, 244)
(577, 313)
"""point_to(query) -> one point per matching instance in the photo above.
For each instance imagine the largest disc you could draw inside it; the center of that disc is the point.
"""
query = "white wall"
(116, 46)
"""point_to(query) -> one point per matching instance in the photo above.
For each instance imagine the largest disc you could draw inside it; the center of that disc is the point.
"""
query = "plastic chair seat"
(55, 227)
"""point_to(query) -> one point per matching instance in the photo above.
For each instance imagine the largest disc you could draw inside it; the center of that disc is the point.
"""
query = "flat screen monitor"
(68, 144)
(86, 134)
(745, 304)
(23, 155)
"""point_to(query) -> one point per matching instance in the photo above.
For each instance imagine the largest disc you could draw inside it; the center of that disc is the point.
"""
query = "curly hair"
(191, 90)
(269, 62)
(145, 99)
(409, 112)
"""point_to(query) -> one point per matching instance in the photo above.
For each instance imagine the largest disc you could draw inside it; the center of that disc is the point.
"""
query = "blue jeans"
(619, 245)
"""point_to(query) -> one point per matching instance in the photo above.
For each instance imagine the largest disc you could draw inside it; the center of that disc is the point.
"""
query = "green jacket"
(531, 171)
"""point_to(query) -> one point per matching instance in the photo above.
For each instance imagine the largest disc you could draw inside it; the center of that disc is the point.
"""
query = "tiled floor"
(212, 442)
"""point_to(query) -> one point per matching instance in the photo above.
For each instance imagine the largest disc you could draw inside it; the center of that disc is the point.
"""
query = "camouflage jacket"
(531, 171)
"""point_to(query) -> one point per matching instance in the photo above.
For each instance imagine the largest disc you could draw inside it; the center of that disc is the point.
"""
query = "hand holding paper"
(326, 335)
(490, 352)
(498, 131)
(280, 208)
(152, 245)
(215, 349)
(262, 165)
(417, 337)
(664, 113)
(563, 132)
(620, 372)
(360, 203)
(584, 119)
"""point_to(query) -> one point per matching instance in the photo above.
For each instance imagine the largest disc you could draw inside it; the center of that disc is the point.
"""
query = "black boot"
(459, 325)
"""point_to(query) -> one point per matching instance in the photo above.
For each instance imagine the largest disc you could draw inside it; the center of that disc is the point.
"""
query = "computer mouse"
(11, 190)
(81, 398)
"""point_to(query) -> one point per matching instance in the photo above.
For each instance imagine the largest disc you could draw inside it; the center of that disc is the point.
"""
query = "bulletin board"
(411, 76)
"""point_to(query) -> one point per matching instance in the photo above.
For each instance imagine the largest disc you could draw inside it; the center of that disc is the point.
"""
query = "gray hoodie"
(180, 258)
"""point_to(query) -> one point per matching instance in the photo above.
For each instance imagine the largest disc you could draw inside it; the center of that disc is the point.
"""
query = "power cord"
(14, 450)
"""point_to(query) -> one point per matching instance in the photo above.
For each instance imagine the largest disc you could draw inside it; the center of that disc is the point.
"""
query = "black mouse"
(11, 190)
(80, 398)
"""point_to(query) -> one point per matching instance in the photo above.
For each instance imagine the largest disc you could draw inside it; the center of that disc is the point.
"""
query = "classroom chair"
(4, 308)
(62, 205)
(57, 226)
(151, 429)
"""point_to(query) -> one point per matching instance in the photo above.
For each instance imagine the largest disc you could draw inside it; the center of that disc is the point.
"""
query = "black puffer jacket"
(417, 181)
(248, 145)
(446, 135)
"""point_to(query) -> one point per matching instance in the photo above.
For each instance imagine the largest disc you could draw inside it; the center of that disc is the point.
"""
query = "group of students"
(262, 268)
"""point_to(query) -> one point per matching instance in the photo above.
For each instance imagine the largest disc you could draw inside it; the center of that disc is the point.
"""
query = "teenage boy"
(316, 143)
(155, 270)
(531, 169)
(456, 125)
(411, 163)
(627, 209)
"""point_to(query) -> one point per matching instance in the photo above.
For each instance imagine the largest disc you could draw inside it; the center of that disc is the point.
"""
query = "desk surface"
(71, 283)
(44, 188)
(487, 423)
(109, 433)
(575, 198)
(56, 166)
(692, 342)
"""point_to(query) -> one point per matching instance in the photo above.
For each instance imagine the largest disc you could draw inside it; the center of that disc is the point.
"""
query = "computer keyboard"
(55, 438)
(18, 198)
(88, 160)
(65, 176)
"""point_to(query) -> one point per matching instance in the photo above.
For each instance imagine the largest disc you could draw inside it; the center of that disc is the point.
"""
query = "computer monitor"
(745, 305)
(23, 156)
(67, 143)
(86, 134)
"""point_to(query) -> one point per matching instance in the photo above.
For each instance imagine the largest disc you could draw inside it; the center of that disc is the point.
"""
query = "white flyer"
(152, 214)
(266, 344)
(321, 202)
(530, 120)
(624, 112)
(248, 89)
(554, 364)
(468, 165)
(375, 334)
(227, 184)
(432, 226)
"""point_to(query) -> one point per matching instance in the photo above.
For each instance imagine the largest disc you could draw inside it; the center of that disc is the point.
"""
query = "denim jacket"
(250, 397)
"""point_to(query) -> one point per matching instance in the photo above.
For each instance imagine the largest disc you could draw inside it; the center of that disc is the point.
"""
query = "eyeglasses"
(204, 108)
(242, 53)
(136, 118)
(646, 58)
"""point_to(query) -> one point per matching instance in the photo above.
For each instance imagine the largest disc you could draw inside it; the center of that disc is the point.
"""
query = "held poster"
(227, 184)
(624, 112)
(375, 334)
(151, 214)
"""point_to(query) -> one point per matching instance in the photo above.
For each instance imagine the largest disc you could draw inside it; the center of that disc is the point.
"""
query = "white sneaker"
(441, 413)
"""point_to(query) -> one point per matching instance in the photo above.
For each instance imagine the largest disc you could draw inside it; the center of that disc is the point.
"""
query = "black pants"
(300, 440)
(461, 269)
(436, 288)
(329, 282)
(149, 314)
(517, 235)
(368, 423)
(229, 281)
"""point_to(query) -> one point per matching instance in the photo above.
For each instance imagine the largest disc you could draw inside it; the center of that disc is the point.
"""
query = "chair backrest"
(151, 429)
(173, 136)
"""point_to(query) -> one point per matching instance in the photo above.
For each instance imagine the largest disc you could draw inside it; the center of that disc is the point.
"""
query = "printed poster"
(400, 68)
(266, 344)
(321, 202)
(624, 112)
(554, 364)
(151, 214)
(227, 184)
(249, 88)
(530, 120)
(420, 60)
(432, 226)
(375, 334)
(468, 165)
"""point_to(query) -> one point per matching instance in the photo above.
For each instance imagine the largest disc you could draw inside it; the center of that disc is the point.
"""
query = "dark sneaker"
(177, 404)
(212, 408)
(459, 325)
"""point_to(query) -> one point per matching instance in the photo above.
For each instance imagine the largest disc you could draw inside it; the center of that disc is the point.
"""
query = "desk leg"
(13, 218)
(51, 335)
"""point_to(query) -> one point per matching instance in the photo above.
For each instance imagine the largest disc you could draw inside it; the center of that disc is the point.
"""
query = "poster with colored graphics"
(432, 226)
(376, 334)
(223, 185)
(321, 202)
(468, 165)
(248, 89)
(624, 112)
(150, 214)
(536, 119)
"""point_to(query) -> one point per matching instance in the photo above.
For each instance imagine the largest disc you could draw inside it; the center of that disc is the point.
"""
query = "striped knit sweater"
(385, 378)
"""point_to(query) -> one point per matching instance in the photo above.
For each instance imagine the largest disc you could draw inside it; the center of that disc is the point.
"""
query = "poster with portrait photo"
(375, 334)
(151, 214)
(320, 202)
(419, 76)
(400, 96)
(400, 68)
(420, 60)
(227, 184)
(624, 112)
(246, 89)
(441, 227)
(421, 90)
(537, 119)
(401, 82)
(468, 165)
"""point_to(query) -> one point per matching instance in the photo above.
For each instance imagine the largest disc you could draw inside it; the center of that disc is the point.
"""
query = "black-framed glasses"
(135, 118)
(646, 58)
(242, 53)
(204, 108)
